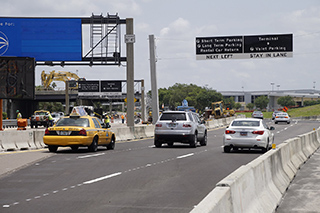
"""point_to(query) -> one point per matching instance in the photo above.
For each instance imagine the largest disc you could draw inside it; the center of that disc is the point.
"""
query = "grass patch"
(296, 112)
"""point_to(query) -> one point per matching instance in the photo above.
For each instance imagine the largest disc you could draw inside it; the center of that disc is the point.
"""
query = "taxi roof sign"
(79, 110)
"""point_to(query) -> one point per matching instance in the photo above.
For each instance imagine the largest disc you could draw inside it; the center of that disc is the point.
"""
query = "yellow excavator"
(219, 110)
(64, 76)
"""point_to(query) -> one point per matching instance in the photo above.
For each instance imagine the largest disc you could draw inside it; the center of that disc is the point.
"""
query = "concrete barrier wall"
(33, 139)
(260, 185)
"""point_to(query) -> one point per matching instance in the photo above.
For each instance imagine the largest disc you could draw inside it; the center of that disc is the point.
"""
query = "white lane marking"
(105, 177)
(184, 156)
(89, 156)
(102, 178)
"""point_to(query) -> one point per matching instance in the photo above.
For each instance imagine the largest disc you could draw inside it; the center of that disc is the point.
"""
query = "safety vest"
(19, 115)
(107, 120)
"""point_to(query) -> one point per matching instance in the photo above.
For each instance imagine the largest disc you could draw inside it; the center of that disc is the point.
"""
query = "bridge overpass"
(27, 107)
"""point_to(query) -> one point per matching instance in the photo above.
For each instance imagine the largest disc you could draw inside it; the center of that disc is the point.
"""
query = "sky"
(176, 23)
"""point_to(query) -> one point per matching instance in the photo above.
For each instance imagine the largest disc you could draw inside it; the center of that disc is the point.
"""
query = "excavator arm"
(57, 76)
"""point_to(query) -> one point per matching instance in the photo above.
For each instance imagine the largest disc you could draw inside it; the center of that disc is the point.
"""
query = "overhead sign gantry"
(59, 41)
(244, 47)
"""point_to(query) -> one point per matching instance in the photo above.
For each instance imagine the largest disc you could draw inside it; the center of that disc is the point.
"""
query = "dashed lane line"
(104, 178)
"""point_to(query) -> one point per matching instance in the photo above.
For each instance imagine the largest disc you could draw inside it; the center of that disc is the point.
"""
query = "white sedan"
(248, 133)
(282, 117)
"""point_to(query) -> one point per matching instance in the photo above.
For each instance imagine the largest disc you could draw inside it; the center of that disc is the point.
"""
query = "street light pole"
(272, 84)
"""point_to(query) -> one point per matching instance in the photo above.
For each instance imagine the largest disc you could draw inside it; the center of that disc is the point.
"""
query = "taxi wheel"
(52, 148)
(111, 145)
(74, 148)
(94, 145)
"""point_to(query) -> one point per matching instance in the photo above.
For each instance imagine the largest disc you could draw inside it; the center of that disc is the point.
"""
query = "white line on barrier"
(184, 156)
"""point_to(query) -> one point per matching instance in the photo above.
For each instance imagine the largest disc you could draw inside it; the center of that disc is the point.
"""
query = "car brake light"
(83, 132)
(258, 132)
(47, 132)
(158, 125)
(286, 116)
(230, 132)
(187, 125)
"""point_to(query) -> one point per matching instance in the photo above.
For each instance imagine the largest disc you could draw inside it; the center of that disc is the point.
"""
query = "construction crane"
(64, 76)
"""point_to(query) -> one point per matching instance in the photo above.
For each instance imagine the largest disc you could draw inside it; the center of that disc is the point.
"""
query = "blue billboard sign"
(45, 39)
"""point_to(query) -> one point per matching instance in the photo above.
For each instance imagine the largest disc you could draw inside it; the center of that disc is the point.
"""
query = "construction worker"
(19, 116)
(107, 121)
(50, 118)
(122, 117)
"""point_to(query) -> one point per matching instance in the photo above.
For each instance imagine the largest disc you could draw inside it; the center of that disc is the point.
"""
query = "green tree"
(4, 115)
(250, 106)
(261, 102)
(229, 102)
(51, 106)
(199, 97)
(286, 101)
(237, 105)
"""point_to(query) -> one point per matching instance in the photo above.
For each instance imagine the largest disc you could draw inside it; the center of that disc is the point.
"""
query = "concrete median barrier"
(218, 200)
(149, 131)
(260, 185)
(139, 132)
(38, 139)
(6, 141)
(22, 139)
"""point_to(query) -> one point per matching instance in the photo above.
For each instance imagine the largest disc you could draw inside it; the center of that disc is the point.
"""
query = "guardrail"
(11, 123)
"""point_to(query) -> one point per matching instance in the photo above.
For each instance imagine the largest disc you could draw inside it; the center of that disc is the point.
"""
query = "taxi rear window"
(84, 122)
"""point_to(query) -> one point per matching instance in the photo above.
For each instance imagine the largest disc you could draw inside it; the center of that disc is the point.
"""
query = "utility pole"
(154, 87)
(66, 111)
(1, 118)
(143, 106)
(129, 39)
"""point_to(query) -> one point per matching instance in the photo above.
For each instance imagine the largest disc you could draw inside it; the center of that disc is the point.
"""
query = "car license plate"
(243, 133)
(172, 125)
(64, 132)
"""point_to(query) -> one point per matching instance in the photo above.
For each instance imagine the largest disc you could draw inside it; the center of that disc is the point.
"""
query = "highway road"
(135, 177)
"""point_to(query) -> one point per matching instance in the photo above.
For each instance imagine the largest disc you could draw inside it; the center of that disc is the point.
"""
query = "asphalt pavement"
(303, 194)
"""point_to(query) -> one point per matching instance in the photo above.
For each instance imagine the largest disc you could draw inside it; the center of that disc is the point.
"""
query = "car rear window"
(84, 122)
(173, 116)
(245, 123)
(40, 113)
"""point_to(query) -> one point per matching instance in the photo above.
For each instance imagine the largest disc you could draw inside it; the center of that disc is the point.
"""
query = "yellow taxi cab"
(76, 130)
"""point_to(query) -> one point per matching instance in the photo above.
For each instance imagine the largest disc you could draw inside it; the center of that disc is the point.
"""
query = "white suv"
(180, 126)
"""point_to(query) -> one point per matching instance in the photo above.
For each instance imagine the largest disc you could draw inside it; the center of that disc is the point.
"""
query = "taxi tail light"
(47, 132)
(258, 132)
(230, 131)
(187, 125)
(83, 132)
(286, 116)
(158, 125)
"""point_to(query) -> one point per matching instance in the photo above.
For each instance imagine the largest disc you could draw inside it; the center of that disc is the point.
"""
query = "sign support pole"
(130, 75)
(66, 111)
(1, 114)
(143, 106)
(154, 87)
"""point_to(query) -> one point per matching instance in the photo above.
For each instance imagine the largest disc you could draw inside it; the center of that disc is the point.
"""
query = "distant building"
(299, 96)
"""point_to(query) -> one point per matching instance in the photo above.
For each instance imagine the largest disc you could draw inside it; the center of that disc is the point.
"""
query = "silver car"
(249, 133)
(257, 114)
(180, 126)
(282, 117)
